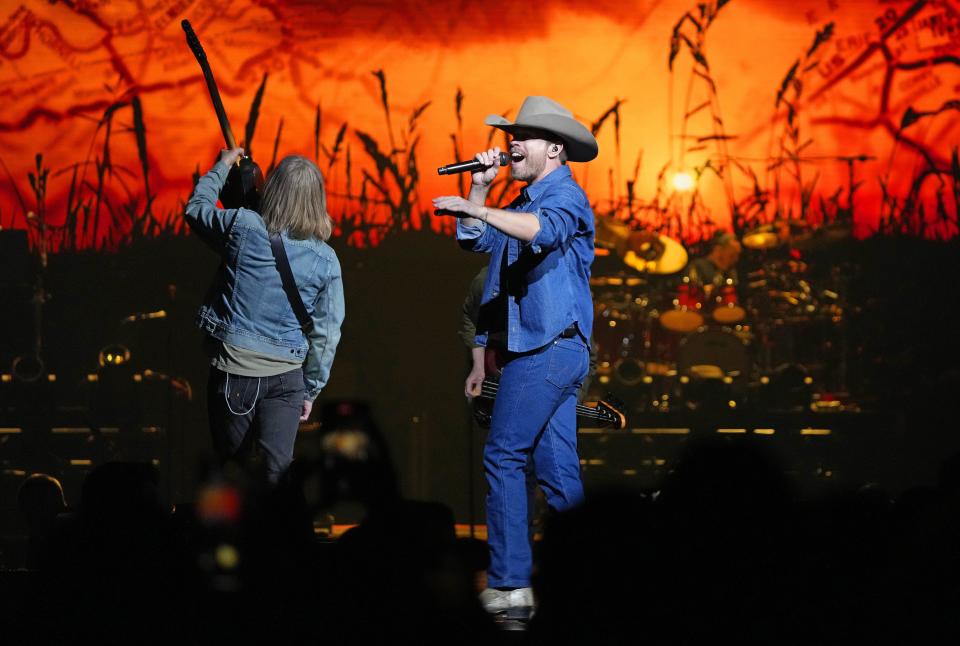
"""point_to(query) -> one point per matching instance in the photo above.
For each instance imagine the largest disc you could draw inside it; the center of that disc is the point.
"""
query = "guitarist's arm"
(202, 215)
(474, 382)
(328, 314)
(468, 332)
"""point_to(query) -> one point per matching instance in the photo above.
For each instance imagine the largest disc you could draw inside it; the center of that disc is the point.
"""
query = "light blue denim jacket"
(546, 282)
(246, 305)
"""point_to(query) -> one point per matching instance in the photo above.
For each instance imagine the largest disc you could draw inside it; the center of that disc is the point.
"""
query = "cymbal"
(643, 251)
(621, 280)
(823, 236)
(610, 234)
(763, 237)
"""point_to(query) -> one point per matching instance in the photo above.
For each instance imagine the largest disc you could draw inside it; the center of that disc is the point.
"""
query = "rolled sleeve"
(560, 219)
(328, 315)
(466, 232)
(479, 238)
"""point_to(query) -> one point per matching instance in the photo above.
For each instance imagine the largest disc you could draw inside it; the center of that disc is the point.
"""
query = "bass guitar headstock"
(244, 183)
(609, 412)
(192, 41)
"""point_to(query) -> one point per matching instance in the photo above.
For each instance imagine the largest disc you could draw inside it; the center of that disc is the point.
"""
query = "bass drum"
(714, 366)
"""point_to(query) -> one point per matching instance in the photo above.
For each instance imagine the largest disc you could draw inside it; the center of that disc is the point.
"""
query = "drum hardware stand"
(30, 368)
(173, 484)
(174, 429)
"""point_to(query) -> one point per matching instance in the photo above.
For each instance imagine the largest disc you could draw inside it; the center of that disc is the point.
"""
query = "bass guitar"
(603, 415)
(245, 181)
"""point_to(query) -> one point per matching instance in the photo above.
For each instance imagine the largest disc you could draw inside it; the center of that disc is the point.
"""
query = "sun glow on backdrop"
(683, 182)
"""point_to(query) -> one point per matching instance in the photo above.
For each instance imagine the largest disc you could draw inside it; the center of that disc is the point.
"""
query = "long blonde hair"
(295, 200)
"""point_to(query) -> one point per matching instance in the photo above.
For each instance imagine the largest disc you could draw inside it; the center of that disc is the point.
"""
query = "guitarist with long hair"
(537, 296)
(268, 360)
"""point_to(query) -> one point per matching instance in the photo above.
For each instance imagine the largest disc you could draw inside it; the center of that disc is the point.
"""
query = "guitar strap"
(290, 284)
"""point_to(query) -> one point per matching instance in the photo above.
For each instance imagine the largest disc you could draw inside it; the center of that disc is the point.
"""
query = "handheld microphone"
(470, 166)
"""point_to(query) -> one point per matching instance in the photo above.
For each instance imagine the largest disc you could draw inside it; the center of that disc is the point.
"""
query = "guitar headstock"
(192, 41)
(610, 412)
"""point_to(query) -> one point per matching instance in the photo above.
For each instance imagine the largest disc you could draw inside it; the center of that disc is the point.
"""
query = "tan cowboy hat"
(546, 114)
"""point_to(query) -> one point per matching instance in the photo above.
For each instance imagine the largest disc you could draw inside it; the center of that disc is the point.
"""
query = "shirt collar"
(535, 190)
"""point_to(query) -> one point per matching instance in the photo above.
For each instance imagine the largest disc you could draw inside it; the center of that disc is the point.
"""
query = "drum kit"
(675, 343)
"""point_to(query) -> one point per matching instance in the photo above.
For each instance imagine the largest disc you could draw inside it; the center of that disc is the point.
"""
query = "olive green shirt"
(245, 363)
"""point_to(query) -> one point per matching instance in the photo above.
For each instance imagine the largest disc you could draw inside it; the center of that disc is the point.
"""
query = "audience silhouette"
(725, 549)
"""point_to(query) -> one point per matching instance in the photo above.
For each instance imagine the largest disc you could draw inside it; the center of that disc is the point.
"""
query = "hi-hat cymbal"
(763, 237)
(776, 233)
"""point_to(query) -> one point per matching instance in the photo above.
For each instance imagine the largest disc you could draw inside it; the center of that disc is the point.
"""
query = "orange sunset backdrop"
(772, 107)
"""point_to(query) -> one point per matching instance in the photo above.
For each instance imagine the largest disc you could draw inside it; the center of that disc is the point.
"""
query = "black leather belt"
(570, 332)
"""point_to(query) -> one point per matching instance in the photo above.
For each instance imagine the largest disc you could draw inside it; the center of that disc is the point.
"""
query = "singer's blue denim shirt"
(546, 282)
(246, 305)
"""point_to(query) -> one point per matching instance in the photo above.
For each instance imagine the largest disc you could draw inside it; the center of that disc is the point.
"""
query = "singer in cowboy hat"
(536, 310)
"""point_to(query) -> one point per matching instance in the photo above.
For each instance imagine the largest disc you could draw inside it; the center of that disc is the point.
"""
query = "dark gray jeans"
(255, 413)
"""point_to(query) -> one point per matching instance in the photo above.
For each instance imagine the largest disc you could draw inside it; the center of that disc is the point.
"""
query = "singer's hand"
(490, 158)
(458, 207)
(230, 157)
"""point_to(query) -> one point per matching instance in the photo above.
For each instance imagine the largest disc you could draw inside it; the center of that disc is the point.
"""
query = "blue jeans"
(249, 413)
(534, 417)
